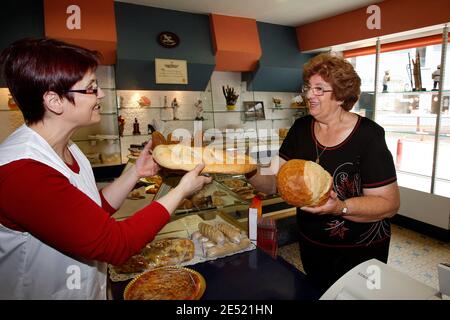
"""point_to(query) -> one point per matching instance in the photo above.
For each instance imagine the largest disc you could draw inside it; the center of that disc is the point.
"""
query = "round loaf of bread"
(182, 157)
(304, 183)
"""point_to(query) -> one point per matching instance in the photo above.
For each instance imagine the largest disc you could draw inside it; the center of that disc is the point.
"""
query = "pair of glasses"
(93, 90)
(317, 91)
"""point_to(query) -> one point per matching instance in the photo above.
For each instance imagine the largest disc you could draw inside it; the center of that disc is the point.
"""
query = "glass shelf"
(287, 108)
(143, 108)
(267, 119)
(414, 92)
(184, 120)
(96, 140)
(136, 135)
(18, 110)
(223, 111)
(9, 110)
(108, 113)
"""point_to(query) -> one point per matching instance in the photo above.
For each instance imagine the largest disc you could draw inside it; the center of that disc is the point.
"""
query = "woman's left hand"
(332, 206)
(145, 165)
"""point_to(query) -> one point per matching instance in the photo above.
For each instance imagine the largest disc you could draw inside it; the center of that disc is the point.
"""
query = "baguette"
(230, 232)
(227, 248)
(211, 232)
(182, 157)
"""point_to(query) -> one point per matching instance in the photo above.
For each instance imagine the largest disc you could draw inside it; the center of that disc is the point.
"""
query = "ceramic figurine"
(175, 107)
(436, 75)
(199, 110)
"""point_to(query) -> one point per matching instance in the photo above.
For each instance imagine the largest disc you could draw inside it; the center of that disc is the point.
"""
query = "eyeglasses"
(93, 90)
(317, 91)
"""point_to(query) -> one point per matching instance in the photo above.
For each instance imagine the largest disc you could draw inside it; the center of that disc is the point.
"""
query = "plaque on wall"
(168, 39)
(169, 71)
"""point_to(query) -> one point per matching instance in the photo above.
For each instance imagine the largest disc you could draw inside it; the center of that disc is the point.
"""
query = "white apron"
(29, 269)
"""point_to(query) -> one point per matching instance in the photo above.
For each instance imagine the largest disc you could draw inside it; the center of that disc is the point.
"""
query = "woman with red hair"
(353, 225)
(56, 233)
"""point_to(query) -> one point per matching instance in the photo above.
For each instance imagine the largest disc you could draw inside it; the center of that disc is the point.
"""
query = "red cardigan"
(37, 199)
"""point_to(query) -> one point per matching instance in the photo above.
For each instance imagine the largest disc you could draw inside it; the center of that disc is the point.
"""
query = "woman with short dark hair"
(353, 225)
(56, 233)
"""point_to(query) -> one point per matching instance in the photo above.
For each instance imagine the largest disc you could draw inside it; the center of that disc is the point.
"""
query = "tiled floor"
(410, 252)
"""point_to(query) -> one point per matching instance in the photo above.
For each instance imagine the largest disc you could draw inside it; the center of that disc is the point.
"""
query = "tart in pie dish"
(166, 283)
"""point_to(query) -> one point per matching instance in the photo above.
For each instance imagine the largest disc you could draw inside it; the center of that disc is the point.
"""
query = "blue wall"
(137, 29)
(20, 19)
(281, 65)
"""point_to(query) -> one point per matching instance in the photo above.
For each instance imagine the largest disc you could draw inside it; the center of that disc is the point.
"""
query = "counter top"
(251, 275)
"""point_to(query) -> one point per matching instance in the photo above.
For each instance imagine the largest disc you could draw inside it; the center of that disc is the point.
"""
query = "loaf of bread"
(304, 183)
(182, 157)
(211, 232)
(230, 232)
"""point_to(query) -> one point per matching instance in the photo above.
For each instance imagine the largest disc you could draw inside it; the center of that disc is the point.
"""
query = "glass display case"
(179, 113)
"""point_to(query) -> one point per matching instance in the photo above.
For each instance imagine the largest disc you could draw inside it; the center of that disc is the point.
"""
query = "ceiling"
(284, 12)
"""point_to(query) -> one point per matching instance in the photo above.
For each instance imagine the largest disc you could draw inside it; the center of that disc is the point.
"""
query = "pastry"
(230, 232)
(211, 232)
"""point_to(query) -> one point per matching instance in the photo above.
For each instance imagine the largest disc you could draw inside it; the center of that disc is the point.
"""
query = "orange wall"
(396, 16)
(236, 43)
(98, 25)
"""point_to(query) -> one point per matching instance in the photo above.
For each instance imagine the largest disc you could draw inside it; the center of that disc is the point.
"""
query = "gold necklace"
(317, 153)
(317, 150)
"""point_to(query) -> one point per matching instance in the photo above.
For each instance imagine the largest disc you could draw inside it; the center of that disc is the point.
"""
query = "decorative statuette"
(175, 107)
(230, 96)
(199, 110)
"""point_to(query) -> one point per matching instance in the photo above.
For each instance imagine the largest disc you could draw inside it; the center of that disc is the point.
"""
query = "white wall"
(425, 207)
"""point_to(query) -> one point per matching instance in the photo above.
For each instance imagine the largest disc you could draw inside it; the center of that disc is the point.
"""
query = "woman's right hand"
(193, 181)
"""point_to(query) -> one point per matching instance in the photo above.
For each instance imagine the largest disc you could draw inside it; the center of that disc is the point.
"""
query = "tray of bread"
(212, 196)
(241, 188)
(183, 242)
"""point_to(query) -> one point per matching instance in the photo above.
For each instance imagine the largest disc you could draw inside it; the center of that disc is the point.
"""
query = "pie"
(166, 283)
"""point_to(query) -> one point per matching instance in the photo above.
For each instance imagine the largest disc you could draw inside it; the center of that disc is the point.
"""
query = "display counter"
(251, 275)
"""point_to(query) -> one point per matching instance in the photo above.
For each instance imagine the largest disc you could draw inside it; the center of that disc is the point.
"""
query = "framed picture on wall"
(254, 110)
